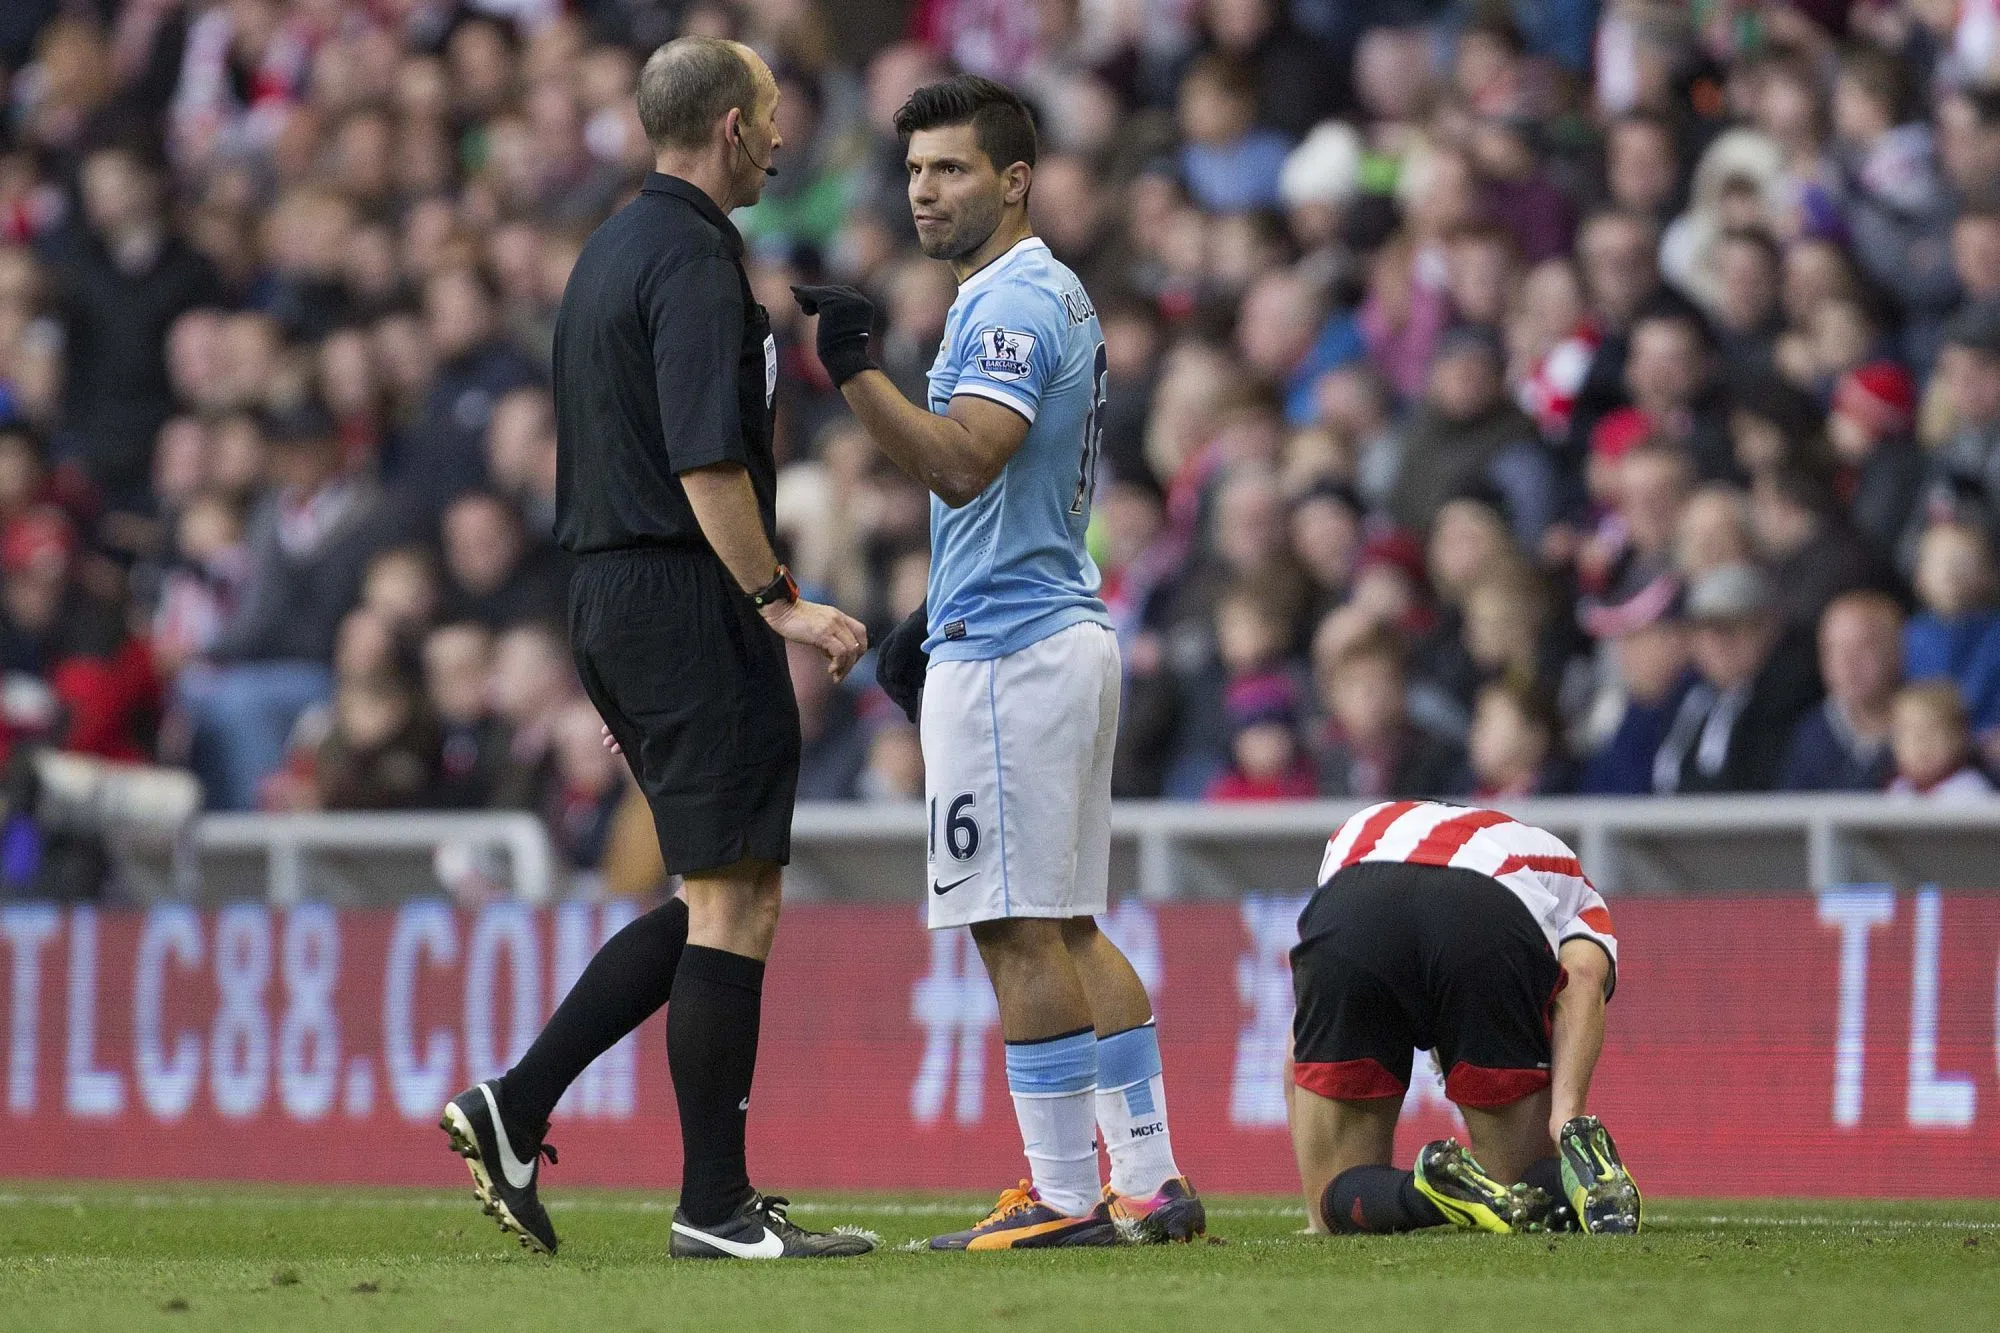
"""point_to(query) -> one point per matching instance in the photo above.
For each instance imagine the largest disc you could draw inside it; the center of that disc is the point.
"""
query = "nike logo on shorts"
(942, 889)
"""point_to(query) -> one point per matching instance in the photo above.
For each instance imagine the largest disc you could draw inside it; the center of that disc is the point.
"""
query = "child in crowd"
(589, 785)
(382, 751)
(1956, 636)
(1515, 744)
(1933, 745)
(199, 593)
(403, 584)
(1370, 749)
(1266, 762)
(458, 661)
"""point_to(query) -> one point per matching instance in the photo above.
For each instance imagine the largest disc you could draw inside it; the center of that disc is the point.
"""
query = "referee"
(665, 373)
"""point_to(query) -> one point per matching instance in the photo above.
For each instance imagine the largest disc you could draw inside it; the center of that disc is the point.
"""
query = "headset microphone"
(744, 149)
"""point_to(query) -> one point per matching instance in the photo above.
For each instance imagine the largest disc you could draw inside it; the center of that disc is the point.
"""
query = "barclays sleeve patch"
(1003, 354)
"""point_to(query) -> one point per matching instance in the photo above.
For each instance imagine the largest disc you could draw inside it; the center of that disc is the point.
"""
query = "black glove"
(901, 662)
(846, 318)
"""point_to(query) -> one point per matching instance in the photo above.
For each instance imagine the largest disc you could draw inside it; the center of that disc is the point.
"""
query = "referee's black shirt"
(663, 363)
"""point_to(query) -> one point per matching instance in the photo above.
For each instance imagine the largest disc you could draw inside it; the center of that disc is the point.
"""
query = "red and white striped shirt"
(1535, 866)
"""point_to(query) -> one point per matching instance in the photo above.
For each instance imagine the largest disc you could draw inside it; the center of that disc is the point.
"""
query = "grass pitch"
(126, 1258)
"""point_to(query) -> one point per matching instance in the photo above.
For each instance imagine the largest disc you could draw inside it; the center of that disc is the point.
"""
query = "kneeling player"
(1464, 932)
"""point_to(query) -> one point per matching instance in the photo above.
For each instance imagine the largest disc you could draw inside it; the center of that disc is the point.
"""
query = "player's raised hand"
(840, 636)
(609, 741)
(846, 319)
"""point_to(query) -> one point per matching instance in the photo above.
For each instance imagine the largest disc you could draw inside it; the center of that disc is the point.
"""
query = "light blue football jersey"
(1010, 568)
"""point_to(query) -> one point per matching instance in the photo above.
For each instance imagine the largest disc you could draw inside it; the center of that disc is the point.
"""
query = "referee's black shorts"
(1394, 959)
(695, 688)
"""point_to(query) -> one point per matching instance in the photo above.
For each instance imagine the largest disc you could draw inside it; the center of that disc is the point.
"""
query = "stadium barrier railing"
(1161, 851)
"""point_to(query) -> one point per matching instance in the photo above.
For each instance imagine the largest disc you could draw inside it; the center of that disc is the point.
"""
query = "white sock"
(1132, 1111)
(1053, 1082)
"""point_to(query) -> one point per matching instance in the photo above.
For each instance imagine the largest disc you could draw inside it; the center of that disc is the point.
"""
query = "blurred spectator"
(382, 751)
(1619, 254)
(1266, 761)
(1326, 526)
(1964, 474)
(1732, 728)
(202, 587)
(1872, 432)
(494, 576)
(1638, 622)
(1369, 749)
(895, 771)
(309, 542)
(1956, 634)
(1893, 197)
(1933, 745)
(532, 682)
(1843, 745)
(75, 677)
(834, 739)
(1228, 162)
(446, 451)
(457, 662)
(122, 277)
(1813, 553)
(1467, 433)
(1515, 746)
(1671, 397)
(1712, 532)
(588, 788)
(1550, 343)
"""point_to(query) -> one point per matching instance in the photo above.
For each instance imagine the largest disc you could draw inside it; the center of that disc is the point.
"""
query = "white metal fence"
(1159, 850)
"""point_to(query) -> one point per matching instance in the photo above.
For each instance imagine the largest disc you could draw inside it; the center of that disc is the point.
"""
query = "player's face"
(956, 195)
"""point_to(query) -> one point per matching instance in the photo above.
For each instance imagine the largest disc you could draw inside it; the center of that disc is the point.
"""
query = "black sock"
(1545, 1175)
(1377, 1199)
(712, 1050)
(624, 985)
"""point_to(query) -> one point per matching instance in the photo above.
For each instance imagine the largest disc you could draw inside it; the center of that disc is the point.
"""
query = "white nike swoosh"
(770, 1247)
(743, 1105)
(519, 1174)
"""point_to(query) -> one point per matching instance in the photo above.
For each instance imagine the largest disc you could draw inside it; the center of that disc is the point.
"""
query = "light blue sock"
(1052, 1081)
(1132, 1111)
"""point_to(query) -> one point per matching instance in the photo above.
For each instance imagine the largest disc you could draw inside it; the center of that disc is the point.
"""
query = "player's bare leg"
(1052, 1075)
(1148, 1195)
(1509, 1139)
(1344, 1149)
(1332, 1138)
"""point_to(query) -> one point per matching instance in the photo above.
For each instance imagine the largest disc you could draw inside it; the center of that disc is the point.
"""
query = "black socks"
(712, 1026)
(624, 985)
(1377, 1199)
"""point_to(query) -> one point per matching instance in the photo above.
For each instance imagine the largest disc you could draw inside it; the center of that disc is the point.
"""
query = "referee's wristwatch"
(782, 588)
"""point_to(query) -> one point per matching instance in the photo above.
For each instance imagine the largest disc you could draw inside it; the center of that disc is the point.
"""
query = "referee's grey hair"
(689, 84)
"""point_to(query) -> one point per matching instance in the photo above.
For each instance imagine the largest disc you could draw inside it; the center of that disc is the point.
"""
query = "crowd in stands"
(1511, 397)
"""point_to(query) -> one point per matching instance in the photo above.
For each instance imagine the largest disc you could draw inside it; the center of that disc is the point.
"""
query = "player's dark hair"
(1002, 125)
(689, 84)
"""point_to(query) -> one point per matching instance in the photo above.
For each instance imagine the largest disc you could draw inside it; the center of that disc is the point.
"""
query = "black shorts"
(694, 687)
(1394, 959)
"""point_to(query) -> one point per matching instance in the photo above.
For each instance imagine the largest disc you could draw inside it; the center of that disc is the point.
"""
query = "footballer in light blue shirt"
(1020, 690)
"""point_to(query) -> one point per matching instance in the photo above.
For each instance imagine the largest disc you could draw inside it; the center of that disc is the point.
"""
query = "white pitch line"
(588, 1204)
(432, 1202)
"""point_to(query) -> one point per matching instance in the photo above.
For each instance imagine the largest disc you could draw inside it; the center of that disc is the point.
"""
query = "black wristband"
(782, 588)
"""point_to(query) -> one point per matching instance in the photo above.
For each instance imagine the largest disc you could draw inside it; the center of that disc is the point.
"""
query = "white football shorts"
(1017, 777)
